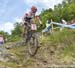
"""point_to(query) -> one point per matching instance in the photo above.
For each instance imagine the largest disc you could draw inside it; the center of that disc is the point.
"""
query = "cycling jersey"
(28, 18)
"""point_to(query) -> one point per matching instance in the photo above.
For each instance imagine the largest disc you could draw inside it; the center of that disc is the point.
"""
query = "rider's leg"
(24, 29)
(24, 34)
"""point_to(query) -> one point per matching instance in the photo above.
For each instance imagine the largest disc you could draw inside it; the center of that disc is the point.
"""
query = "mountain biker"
(29, 17)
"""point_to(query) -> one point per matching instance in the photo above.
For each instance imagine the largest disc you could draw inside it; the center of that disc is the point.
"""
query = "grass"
(64, 39)
(61, 43)
(66, 36)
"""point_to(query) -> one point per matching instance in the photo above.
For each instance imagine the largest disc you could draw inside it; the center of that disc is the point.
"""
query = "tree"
(17, 30)
(46, 14)
(5, 35)
(64, 10)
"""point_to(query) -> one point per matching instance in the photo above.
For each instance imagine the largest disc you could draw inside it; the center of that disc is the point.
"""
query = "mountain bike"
(31, 39)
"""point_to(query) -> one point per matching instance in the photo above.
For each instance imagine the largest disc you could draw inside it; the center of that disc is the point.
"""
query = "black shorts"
(25, 24)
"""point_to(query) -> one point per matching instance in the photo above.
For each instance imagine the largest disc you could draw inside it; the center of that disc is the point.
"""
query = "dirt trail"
(15, 55)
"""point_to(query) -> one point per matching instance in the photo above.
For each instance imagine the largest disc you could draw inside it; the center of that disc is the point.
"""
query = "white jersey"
(31, 15)
(64, 22)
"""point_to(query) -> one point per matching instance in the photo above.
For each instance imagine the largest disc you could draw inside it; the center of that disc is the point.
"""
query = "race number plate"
(33, 27)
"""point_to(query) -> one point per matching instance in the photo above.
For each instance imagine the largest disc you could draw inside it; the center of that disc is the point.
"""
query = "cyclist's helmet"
(33, 9)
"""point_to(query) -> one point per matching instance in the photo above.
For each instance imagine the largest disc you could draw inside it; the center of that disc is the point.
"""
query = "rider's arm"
(23, 19)
(40, 22)
(24, 27)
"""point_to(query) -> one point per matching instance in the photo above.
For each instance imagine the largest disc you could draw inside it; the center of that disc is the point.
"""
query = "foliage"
(64, 10)
(13, 38)
(66, 36)
(17, 30)
(5, 35)
(16, 33)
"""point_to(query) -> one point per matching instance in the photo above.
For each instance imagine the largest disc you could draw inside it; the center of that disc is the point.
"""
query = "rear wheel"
(33, 45)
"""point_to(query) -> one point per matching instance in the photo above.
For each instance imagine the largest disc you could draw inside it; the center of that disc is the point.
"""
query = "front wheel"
(33, 45)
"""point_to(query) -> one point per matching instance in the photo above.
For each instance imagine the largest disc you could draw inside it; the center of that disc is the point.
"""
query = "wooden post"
(52, 27)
